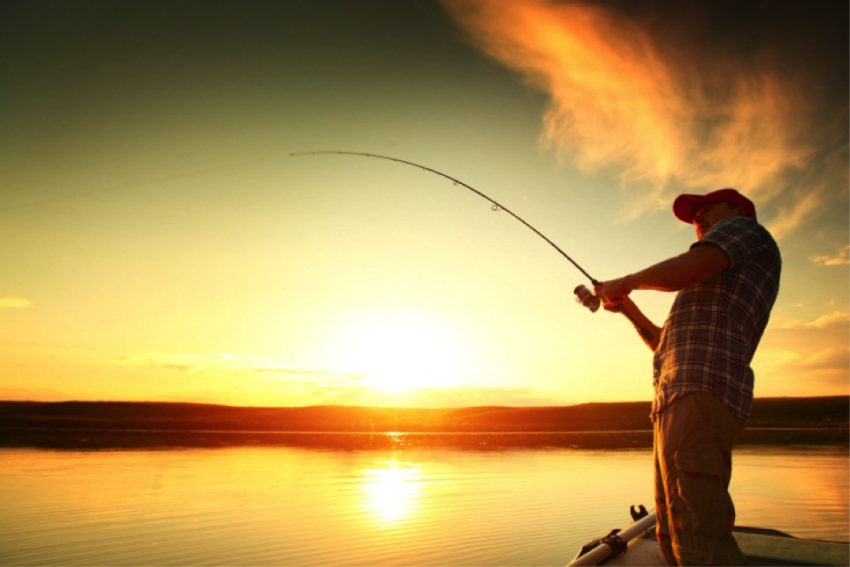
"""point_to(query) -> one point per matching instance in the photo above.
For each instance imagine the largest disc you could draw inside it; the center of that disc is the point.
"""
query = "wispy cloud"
(835, 319)
(630, 92)
(459, 396)
(799, 353)
(302, 372)
(840, 258)
(180, 362)
(270, 381)
(230, 363)
(827, 359)
(799, 369)
(14, 303)
(800, 209)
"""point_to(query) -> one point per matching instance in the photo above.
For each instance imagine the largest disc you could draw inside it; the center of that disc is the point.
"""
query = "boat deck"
(760, 547)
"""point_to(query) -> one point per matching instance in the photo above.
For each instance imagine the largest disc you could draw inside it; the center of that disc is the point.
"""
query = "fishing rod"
(496, 206)
(584, 295)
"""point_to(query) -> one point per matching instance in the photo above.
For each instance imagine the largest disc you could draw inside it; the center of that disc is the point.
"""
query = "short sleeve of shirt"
(737, 237)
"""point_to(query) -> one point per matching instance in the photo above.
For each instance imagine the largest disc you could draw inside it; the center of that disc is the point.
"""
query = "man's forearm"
(695, 266)
(648, 331)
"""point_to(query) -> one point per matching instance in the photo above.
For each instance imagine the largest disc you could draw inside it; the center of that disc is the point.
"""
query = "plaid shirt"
(713, 328)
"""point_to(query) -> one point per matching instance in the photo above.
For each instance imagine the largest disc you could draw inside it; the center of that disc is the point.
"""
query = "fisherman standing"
(727, 283)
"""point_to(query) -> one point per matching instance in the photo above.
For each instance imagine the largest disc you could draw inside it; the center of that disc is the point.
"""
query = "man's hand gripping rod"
(592, 302)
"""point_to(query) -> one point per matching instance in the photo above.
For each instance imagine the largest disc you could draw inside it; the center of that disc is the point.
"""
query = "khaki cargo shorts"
(693, 466)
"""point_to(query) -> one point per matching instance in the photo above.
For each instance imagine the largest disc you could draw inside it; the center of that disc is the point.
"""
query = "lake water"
(279, 505)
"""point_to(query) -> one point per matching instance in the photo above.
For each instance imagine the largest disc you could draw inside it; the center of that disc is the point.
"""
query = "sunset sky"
(160, 243)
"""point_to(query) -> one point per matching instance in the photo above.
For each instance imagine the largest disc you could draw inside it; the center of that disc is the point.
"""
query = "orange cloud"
(626, 95)
(828, 359)
(837, 319)
(841, 258)
(799, 208)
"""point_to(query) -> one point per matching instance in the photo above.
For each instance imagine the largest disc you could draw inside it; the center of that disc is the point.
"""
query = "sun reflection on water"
(392, 493)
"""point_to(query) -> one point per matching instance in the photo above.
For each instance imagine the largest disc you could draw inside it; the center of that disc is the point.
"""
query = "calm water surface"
(422, 506)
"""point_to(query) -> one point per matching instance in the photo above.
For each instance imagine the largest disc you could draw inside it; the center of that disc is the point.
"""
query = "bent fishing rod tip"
(496, 206)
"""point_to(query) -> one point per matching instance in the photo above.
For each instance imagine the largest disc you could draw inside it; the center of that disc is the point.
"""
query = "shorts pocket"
(703, 499)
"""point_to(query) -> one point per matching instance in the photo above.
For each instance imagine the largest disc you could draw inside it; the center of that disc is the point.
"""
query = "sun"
(400, 350)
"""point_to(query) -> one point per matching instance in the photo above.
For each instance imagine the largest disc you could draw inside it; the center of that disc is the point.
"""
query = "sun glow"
(402, 350)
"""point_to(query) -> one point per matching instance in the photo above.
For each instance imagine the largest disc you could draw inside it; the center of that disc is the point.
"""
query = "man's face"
(710, 214)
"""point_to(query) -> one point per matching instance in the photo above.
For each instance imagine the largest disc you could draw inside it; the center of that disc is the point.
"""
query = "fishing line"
(495, 205)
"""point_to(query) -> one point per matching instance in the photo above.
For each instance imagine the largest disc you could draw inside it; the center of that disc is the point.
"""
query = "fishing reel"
(586, 298)
(592, 302)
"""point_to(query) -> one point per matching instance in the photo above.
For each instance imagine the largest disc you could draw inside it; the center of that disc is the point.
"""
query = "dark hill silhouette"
(816, 412)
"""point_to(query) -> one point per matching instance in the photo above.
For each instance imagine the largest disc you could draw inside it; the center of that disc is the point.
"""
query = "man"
(727, 284)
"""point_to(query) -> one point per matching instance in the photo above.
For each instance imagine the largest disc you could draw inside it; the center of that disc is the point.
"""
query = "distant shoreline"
(623, 425)
(98, 439)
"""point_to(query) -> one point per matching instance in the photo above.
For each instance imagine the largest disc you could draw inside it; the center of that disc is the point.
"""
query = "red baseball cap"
(685, 206)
